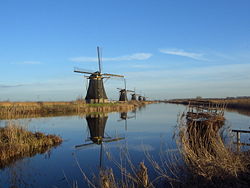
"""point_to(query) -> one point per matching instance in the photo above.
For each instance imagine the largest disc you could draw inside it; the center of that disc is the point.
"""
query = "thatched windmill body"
(96, 91)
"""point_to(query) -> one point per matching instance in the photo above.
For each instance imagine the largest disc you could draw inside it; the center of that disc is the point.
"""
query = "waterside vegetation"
(17, 142)
(10, 110)
(231, 103)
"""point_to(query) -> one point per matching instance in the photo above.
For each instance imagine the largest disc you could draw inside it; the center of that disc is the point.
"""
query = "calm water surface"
(146, 130)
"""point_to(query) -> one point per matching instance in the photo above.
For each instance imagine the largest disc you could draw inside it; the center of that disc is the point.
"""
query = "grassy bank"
(233, 103)
(9, 110)
(17, 142)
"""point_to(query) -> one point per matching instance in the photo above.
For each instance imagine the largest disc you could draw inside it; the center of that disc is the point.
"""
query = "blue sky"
(165, 48)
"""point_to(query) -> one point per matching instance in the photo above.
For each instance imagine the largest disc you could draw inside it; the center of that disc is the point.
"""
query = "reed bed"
(204, 152)
(11, 110)
(233, 103)
(17, 142)
(131, 177)
(236, 103)
(208, 160)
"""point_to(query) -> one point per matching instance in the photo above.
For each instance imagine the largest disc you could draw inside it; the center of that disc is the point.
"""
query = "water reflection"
(96, 133)
(124, 117)
(239, 110)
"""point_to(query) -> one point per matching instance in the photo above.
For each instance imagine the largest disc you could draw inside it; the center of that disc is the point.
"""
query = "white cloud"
(11, 86)
(32, 62)
(180, 52)
(28, 63)
(136, 56)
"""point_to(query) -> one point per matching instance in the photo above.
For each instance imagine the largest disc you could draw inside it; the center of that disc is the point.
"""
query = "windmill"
(123, 92)
(96, 133)
(96, 92)
(134, 96)
(140, 98)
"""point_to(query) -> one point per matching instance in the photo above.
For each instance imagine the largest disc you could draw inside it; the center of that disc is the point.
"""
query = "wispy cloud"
(32, 62)
(136, 56)
(28, 63)
(11, 86)
(180, 52)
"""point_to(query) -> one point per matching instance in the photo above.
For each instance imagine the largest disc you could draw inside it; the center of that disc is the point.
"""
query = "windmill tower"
(96, 91)
(123, 92)
(133, 97)
(140, 98)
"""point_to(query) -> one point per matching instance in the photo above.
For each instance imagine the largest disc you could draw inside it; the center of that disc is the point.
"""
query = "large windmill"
(96, 92)
(123, 92)
(96, 133)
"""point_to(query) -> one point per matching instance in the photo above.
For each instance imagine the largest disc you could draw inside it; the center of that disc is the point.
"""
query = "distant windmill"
(96, 92)
(96, 126)
(123, 92)
(133, 96)
(140, 98)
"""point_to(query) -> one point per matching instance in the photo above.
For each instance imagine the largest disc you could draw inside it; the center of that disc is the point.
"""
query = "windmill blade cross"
(99, 59)
(83, 145)
(125, 84)
(114, 139)
(114, 75)
(82, 71)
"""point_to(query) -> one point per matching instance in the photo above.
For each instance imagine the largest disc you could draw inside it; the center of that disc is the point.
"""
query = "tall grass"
(10, 110)
(16, 142)
(234, 103)
(204, 151)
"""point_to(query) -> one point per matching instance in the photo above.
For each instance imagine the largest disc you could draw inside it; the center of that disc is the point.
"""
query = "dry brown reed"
(204, 151)
(130, 175)
(16, 142)
(209, 161)
(11, 110)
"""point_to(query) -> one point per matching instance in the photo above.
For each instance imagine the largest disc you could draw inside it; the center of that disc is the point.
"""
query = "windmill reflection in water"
(96, 133)
(124, 117)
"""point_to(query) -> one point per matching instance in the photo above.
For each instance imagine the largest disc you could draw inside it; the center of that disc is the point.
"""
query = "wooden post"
(238, 137)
